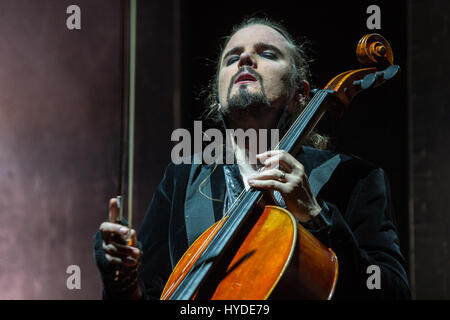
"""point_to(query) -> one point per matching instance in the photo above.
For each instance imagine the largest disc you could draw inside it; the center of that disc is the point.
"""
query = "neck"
(267, 119)
(249, 137)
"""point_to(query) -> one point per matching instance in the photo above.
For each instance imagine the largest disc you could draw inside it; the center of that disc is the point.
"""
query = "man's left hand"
(284, 173)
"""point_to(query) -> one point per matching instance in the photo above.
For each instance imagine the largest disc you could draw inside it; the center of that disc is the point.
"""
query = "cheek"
(274, 85)
(222, 85)
(277, 83)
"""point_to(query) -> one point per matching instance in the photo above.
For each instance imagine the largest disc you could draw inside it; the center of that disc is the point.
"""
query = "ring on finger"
(282, 177)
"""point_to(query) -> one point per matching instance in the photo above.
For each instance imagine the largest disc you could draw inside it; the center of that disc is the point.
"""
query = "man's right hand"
(115, 240)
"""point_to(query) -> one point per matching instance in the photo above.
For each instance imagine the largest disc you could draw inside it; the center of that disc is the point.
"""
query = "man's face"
(255, 70)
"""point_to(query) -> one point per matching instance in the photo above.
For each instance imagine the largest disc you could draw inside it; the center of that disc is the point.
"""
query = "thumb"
(113, 210)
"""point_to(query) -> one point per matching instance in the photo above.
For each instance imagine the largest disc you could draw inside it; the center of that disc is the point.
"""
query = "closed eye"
(232, 60)
(268, 54)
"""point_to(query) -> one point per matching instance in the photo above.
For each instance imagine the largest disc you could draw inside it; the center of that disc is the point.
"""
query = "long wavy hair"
(300, 71)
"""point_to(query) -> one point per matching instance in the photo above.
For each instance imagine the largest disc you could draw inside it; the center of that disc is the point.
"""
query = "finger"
(274, 174)
(285, 162)
(126, 261)
(113, 259)
(130, 262)
(113, 231)
(278, 162)
(109, 248)
(278, 158)
(121, 251)
(266, 155)
(272, 162)
(267, 185)
(113, 210)
(130, 236)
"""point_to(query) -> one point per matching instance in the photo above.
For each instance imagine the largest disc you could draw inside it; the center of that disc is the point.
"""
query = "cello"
(258, 250)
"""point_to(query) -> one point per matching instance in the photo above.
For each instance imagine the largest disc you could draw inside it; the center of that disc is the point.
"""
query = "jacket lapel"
(203, 205)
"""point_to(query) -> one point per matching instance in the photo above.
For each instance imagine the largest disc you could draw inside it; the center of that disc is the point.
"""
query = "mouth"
(245, 77)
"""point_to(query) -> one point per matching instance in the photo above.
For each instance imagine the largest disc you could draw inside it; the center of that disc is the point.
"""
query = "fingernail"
(123, 230)
(251, 181)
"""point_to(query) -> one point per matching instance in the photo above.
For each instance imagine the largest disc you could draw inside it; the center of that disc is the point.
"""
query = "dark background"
(60, 105)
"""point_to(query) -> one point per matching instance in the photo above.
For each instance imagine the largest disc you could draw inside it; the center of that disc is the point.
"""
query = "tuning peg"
(368, 81)
(391, 71)
(357, 83)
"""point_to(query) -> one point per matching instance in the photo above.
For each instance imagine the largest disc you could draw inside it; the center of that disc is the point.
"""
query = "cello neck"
(302, 126)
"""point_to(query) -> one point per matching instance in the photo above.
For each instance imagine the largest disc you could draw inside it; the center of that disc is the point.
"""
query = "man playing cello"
(261, 83)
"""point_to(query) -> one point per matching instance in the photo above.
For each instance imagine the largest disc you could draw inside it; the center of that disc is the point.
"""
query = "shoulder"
(319, 156)
(180, 173)
(343, 164)
(176, 172)
(340, 178)
(314, 157)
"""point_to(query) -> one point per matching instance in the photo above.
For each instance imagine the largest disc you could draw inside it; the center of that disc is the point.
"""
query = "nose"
(246, 60)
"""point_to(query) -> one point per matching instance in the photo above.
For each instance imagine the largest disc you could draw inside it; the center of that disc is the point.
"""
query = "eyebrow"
(232, 51)
(259, 45)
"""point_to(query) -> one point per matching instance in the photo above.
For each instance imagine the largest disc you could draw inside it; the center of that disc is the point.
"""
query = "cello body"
(278, 258)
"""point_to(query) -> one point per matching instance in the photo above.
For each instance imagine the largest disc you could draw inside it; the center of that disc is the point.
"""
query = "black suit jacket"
(357, 222)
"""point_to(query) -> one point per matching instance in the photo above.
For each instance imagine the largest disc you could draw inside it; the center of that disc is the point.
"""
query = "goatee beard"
(244, 104)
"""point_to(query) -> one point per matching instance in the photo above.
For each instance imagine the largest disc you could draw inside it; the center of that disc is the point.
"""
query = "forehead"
(257, 34)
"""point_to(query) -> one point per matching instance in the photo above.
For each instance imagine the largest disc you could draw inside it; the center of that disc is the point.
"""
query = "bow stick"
(131, 120)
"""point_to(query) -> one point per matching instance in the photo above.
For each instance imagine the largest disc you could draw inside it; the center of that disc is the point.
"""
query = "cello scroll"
(373, 51)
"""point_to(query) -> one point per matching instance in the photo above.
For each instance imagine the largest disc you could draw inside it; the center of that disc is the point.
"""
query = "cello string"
(304, 116)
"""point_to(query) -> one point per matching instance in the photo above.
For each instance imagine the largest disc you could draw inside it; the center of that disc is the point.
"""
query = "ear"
(300, 96)
(303, 92)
